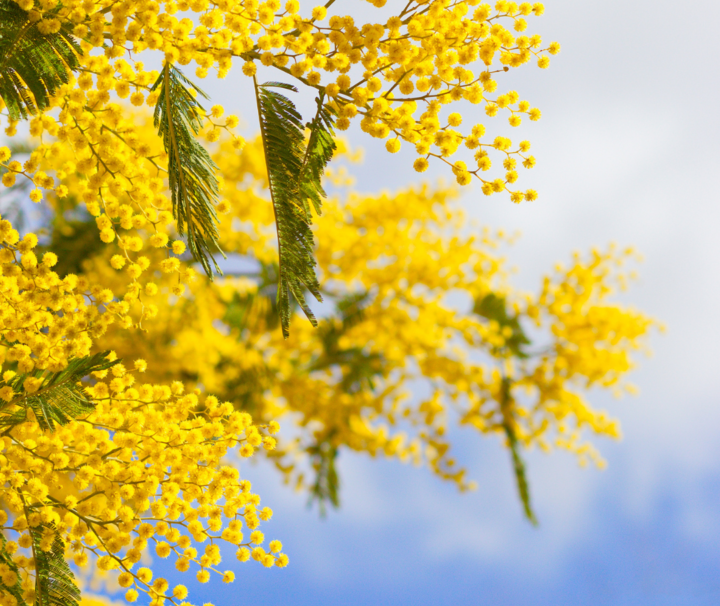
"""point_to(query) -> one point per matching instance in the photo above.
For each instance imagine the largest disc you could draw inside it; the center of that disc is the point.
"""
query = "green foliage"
(32, 65)
(520, 475)
(73, 241)
(359, 367)
(320, 150)
(358, 371)
(14, 589)
(518, 463)
(356, 368)
(59, 399)
(294, 173)
(256, 310)
(326, 487)
(54, 581)
(191, 171)
(494, 308)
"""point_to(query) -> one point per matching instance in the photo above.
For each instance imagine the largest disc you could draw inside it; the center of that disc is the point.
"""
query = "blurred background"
(627, 152)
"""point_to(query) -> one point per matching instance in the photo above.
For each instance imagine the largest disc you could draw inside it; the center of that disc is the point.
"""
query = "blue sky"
(627, 151)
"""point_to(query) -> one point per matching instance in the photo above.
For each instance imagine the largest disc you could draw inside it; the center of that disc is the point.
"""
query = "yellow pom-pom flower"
(319, 13)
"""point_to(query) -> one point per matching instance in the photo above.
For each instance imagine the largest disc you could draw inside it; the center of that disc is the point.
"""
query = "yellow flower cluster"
(426, 301)
(395, 77)
(141, 470)
(46, 320)
(109, 161)
(589, 342)
(407, 265)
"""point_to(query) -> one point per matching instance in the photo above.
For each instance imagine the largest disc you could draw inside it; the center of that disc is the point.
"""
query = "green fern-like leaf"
(294, 172)
(256, 310)
(320, 150)
(33, 65)
(54, 581)
(326, 488)
(520, 475)
(59, 399)
(14, 589)
(358, 367)
(191, 170)
(518, 463)
(74, 242)
(494, 307)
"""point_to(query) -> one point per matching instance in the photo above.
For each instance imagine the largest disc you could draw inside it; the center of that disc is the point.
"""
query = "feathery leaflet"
(191, 170)
(518, 463)
(59, 398)
(54, 581)
(294, 173)
(319, 151)
(33, 65)
(9, 584)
